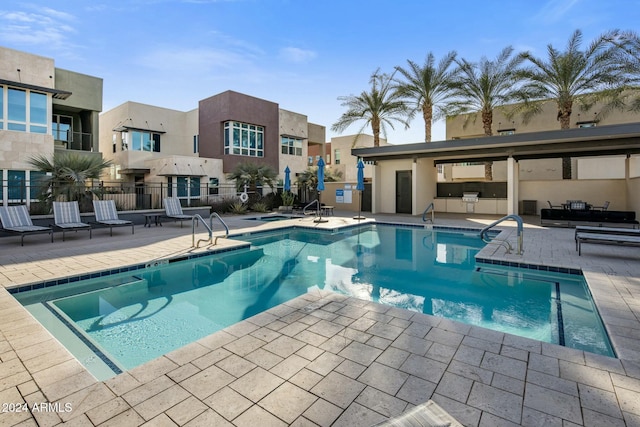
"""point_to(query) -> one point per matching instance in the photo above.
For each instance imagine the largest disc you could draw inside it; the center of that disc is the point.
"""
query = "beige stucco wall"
(467, 126)
(592, 191)
(328, 196)
(293, 125)
(34, 69)
(385, 184)
(179, 128)
(16, 148)
(184, 166)
(86, 91)
(348, 163)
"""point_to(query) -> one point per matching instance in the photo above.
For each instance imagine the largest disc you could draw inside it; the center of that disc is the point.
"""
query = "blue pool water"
(130, 318)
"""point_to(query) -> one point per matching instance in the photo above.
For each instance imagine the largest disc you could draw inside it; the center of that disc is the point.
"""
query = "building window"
(186, 187)
(136, 140)
(336, 157)
(214, 186)
(591, 124)
(62, 127)
(506, 131)
(243, 139)
(310, 160)
(196, 144)
(292, 146)
(27, 111)
(328, 160)
(16, 186)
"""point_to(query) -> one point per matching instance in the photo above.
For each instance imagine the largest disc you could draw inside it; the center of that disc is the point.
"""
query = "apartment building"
(43, 109)
(191, 152)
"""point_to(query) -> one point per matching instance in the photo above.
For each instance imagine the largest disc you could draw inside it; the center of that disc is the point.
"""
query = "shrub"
(260, 207)
(223, 205)
(238, 208)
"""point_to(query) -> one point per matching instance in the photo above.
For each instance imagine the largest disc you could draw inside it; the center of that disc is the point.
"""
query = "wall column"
(513, 183)
(425, 183)
(375, 188)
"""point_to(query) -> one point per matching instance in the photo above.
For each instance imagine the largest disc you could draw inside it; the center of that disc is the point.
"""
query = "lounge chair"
(554, 206)
(606, 239)
(16, 219)
(427, 414)
(173, 210)
(66, 217)
(107, 215)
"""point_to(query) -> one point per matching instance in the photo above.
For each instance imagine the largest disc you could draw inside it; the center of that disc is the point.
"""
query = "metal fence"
(128, 196)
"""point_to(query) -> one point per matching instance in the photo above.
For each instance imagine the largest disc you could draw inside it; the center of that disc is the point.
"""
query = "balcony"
(78, 141)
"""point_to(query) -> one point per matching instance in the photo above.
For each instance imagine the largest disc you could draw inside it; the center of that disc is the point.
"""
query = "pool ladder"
(505, 243)
(431, 208)
(209, 228)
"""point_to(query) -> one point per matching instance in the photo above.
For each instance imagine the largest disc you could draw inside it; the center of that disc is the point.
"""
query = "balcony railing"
(75, 141)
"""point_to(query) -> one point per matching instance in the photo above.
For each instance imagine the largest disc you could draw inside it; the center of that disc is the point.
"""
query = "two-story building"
(189, 153)
(42, 109)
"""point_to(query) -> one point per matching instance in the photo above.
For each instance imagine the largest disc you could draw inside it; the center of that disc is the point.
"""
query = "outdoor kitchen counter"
(483, 206)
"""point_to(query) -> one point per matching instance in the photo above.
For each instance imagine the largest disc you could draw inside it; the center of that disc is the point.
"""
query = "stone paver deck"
(325, 359)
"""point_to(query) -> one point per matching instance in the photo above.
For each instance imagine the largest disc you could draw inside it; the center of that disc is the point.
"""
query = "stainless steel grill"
(470, 199)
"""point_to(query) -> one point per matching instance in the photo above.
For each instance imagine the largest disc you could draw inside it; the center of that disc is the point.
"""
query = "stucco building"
(42, 109)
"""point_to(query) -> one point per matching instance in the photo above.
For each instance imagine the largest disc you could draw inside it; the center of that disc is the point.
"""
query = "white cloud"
(297, 55)
(555, 10)
(45, 26)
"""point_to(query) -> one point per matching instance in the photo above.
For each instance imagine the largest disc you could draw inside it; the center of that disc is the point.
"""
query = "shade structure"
(321, 165)
(287, 179)
(360, 184)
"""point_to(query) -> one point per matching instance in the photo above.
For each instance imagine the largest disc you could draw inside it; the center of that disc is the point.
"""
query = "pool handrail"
(317, 202)
(506, 243)
(209, 228)
(431, 208)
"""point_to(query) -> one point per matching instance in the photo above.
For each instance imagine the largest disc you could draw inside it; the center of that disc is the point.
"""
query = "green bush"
(223, 205)
(238, 208)
(260, 207)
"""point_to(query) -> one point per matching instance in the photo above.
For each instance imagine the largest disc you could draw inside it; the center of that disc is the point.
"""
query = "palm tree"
(481, 87)
(251, 174)
(379, 107)
(427, 88)
(587, 76)
(67, 175)
(628, 44)
(308, 179)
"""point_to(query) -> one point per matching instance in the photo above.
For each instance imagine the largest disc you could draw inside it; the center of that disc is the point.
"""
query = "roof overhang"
(581, 142)
(134, 171)
(57, 93)
(123, 128)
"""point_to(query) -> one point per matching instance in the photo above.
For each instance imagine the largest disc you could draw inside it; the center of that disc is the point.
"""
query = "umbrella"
(360, 187)
(360, 166)
(287, 179)
(320, 175)
(320, 188)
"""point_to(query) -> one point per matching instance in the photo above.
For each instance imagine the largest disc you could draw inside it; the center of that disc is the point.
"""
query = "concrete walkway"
(324, 359)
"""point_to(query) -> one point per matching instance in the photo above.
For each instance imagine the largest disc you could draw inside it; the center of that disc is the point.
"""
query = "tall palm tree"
(628, 45)
(67, 175)
(427, 88)
(378, 107)
(481, 87)
(573, 75)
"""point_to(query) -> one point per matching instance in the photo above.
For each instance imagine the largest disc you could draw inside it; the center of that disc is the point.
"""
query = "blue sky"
(301, 54)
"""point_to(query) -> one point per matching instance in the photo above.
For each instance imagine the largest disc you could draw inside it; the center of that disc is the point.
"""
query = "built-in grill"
(470, 199)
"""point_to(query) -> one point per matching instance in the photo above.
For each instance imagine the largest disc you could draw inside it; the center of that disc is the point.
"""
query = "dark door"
(403, 192)
(366, 198)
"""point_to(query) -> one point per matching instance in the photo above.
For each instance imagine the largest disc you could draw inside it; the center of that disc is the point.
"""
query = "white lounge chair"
(16, 219)
(107, 215)
(67, 217)
(173, 210)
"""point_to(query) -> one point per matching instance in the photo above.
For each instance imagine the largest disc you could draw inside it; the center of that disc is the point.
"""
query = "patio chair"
(173, 210)
(554, 206)
(107, 215)
(16, 219)
(66, 217)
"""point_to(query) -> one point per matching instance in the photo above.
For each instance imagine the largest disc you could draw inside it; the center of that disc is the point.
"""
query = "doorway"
(404, 189)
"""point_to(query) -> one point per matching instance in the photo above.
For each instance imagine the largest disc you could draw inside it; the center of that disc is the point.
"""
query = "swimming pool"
(119, 321)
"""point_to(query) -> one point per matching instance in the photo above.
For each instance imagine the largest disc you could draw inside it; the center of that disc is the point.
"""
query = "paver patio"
(324, 358)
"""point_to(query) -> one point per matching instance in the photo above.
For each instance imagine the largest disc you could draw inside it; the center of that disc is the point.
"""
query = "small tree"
(67, 177)
(252, 174)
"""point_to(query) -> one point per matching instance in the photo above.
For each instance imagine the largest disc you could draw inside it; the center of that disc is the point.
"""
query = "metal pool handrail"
(316, 201)
(505, 243)
(208, 227)
(431, 208)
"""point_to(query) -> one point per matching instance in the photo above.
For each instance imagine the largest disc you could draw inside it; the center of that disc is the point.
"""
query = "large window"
(243, 139)
(62, 126)
(292, 146)
(26, 110)
(336, 156)
(141, 141)
(185, 186)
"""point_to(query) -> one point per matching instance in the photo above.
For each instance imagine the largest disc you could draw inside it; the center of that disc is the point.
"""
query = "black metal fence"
(127, 196)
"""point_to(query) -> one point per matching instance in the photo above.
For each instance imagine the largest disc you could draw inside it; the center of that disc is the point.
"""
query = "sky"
(300, 54)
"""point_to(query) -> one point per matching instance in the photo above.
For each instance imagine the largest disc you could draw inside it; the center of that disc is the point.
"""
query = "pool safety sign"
(344, 195)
